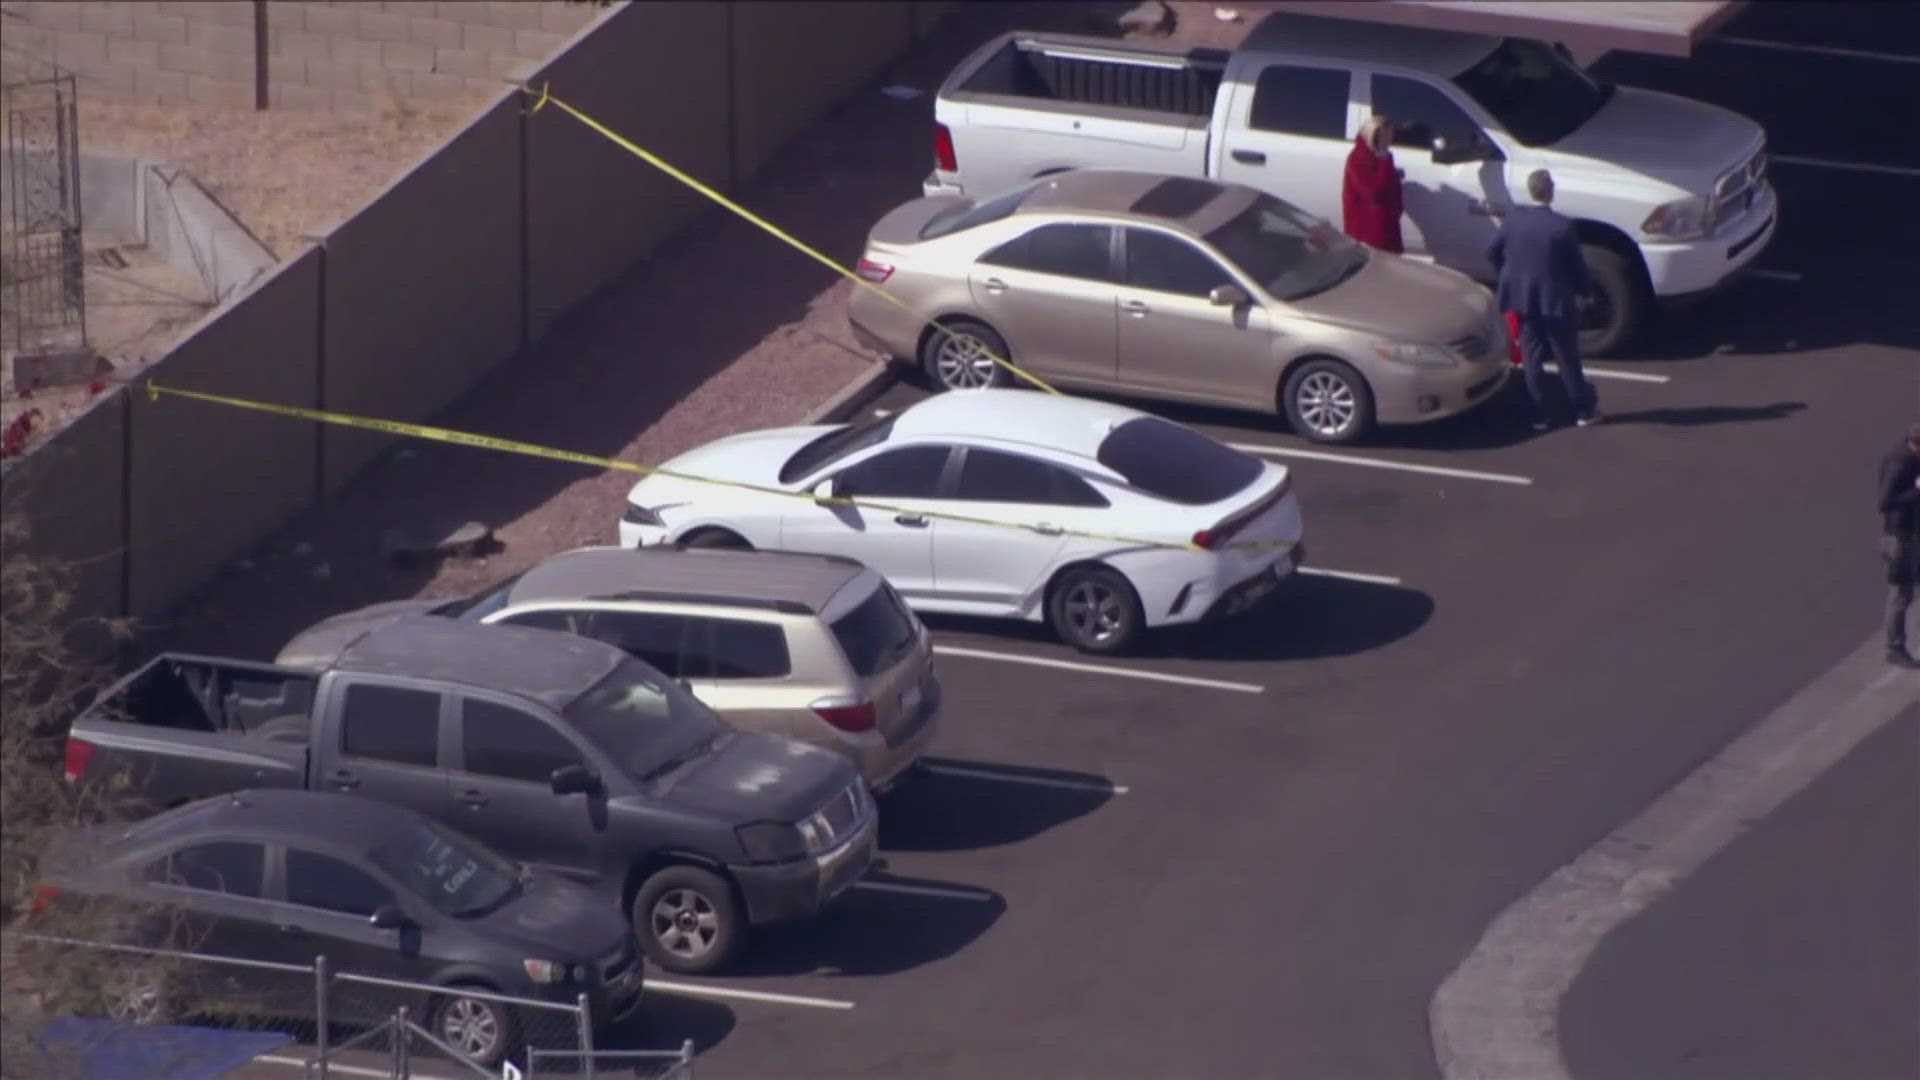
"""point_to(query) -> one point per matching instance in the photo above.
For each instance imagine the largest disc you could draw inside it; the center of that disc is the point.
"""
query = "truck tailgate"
(171, 765)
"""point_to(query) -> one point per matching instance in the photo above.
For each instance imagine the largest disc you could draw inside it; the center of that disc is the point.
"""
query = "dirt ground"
(724, 330)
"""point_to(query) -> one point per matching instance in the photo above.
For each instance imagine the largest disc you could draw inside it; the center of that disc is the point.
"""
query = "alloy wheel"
(1326, 403)
(963, 362)
(471, 1027)
(1094, 611)
(685, 923)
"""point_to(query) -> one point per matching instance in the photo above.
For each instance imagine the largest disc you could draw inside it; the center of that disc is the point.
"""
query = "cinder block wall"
(320, 55)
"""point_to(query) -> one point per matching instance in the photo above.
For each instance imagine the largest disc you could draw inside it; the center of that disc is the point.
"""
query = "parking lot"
(1257, 847)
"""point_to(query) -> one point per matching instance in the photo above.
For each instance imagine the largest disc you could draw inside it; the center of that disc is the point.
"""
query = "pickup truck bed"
(1051, 69)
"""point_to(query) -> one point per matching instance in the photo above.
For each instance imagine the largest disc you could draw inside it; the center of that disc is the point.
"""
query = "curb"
(847, 400)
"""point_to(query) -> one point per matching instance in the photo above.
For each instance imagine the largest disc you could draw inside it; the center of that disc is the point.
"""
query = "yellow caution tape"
(510, 446)
(545, 98)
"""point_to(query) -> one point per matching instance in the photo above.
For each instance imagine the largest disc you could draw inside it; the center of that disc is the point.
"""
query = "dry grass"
(285, 174)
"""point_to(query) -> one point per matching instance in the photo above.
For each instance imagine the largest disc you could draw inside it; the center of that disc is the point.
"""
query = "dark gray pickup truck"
(556, 750)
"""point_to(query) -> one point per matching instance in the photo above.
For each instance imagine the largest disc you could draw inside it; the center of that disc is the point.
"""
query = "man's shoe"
(1899, 657)
(1590, 419)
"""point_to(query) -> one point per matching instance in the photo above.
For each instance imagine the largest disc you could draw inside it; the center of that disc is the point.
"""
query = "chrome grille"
(1733, 192)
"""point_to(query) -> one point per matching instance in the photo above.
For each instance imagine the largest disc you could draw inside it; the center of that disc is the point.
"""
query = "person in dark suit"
(1541, 270)
(1900, 512)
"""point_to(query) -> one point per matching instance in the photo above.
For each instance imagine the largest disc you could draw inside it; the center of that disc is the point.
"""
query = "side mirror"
(1448, 152)
(1228, 296)
(389, 917)
(574, 780)
(823, 490)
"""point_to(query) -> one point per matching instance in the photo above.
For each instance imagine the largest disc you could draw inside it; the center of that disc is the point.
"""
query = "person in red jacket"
(1370, 195)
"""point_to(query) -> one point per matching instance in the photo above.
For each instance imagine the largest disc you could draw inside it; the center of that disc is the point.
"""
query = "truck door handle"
(1249, 157)
(1048, 529)
(994, 285)
(342, 780)
(1136, 309)
(474, 799)
(911, 521)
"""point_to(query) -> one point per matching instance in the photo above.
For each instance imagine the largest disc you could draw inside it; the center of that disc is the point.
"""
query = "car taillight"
(943, 149)
(1205, 538)
(79, 756)
(849, 718)
(1217, 536)
(875, 272)
(43, 898)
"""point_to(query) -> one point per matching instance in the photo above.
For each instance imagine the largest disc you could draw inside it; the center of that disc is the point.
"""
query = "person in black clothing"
(1900, 508)
(1537, 255)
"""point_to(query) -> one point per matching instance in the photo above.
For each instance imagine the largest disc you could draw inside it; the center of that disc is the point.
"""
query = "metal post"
(320, 1010)
(585, 1017)
(260, 55)
(401, 1037)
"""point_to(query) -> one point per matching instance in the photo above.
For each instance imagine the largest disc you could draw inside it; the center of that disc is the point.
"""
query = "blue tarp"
(110, 1051)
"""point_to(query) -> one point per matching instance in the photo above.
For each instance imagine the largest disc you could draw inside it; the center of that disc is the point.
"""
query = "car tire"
(958, 356)
(687, 920)
(1328, 402)
(482, 1032)
(1609, 315)
(1095, 610)
(717, 539)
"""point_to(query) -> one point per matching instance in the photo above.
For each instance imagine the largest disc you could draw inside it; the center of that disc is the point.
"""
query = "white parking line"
(1774, 275)
(1611, 373)
(1382, 463)
(343, 1070)
(976, 895)
(1846, 166)
(1100, 669)
(1827, 50)
(1348, 575)
(700, 990)
(1017, 778)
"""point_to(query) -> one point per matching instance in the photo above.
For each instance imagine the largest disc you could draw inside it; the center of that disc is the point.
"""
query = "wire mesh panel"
(44, 261)
(451, 1031)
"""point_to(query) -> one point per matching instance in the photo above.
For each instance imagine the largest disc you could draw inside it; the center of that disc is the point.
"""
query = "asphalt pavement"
(1266, 867)
(1793, 953)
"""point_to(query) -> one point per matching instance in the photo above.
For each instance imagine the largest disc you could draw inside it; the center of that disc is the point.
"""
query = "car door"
(897, 541)
(502, 787)
(213, 894)
(1289, 135)
(387, 744)
(994, 568)
(1050, 293)
(1176, 342)
(325, 904)
(1452, 209)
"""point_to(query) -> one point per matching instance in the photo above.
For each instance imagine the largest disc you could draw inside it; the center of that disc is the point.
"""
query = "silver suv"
(814, 647)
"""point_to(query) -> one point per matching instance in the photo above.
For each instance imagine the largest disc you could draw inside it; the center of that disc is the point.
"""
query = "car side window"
(1076, 251)
(567, 622)
(1420, 112)
(509, 743)
(322, 881)
(224, 866)
(991, 476)
(910, 472)
(653, 638)
(1293, 100)
(391, 723)
(1169, 264)
(738, 649)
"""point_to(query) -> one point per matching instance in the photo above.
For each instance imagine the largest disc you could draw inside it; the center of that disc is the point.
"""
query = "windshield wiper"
(679, 760)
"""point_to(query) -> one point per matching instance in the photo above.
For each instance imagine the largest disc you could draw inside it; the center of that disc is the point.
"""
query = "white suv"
(813, 647)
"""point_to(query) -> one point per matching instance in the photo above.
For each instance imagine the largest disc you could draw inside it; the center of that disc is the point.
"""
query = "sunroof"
(1176, 197)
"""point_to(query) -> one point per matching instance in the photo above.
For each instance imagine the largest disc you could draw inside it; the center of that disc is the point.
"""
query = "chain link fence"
(331, 1023)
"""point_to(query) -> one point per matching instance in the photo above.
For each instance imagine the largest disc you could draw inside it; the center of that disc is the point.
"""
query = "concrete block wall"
(320, 55)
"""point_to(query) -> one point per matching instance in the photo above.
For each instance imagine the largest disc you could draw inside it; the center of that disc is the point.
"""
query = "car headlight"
(545, 971)
(1415, 354)
(772, 841)
(1682, 219)
(640, 515)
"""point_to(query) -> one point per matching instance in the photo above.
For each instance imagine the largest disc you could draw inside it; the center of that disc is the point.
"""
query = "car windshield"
(647, 723)
(961, 218)
(834, 445)
(1535, 93)
(477, 607)
(1176, 463)
(876, 633)
(455, 875)
(1291, 253)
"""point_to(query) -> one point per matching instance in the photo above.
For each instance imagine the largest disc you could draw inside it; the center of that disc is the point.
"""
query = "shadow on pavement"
(663, 1021)
(869, 932)
(1697, 415)
(1310, 618)
(960, 805)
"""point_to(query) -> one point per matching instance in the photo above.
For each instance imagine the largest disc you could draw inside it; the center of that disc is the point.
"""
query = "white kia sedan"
(1097, 519)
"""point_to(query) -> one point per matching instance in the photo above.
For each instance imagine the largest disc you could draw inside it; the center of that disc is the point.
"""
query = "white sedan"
(1098, 519)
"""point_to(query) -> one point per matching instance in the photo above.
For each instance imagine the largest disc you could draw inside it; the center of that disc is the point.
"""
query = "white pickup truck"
(1671, 195)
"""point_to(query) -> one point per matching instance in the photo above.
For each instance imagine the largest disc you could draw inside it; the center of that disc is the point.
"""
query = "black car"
(379, 890)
